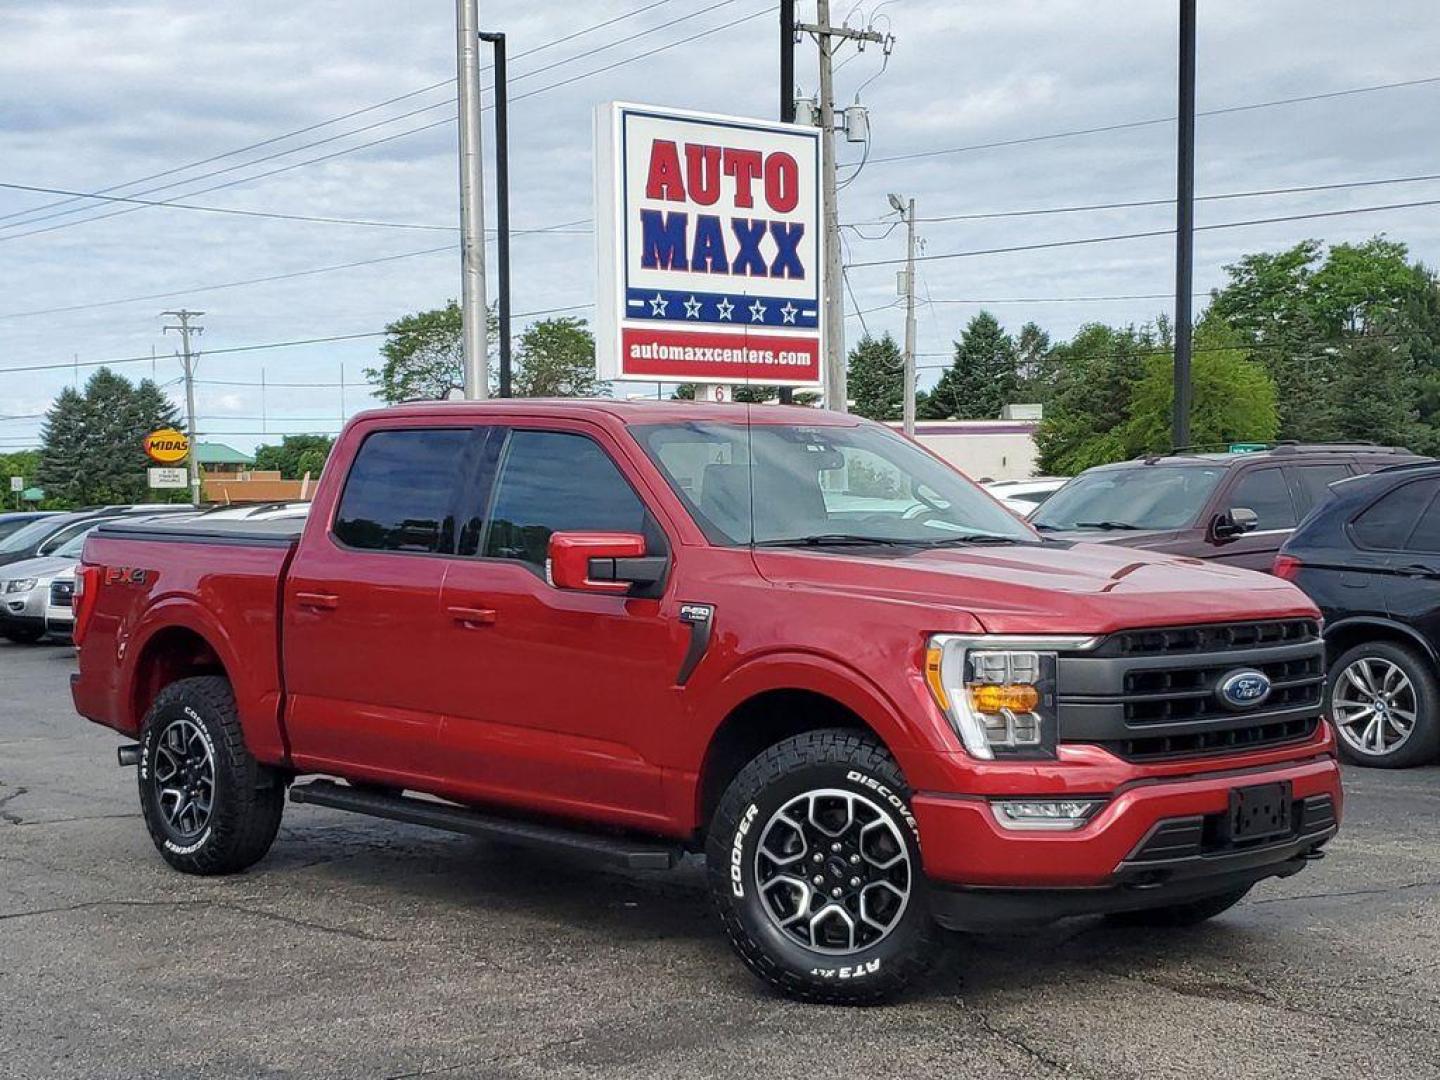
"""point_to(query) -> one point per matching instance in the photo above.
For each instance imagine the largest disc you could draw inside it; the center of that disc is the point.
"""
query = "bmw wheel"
(815, 869)
(1383, 700)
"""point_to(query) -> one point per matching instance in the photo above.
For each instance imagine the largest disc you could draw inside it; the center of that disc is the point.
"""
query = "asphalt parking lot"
(363, 948)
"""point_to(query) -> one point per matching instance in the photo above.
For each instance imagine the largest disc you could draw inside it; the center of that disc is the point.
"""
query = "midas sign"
(708, 234)
(167, 446)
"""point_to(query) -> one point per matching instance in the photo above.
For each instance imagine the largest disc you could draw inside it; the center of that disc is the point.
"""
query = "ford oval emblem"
(1244, 689)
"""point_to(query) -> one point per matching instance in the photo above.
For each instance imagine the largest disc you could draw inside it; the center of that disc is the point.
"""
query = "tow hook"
(1314, 855)
(128, 754)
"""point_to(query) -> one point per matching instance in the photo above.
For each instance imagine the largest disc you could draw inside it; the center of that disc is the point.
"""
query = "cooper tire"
(1415, 692)
(209, 806)
(839, 772)
(1190, 913)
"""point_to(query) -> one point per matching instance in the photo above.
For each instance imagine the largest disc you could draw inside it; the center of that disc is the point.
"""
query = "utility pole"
(836, 396)
(473, 314)
(183, 317)
(907, 214)
(502, 203)
(1184, 224)
(787, 100)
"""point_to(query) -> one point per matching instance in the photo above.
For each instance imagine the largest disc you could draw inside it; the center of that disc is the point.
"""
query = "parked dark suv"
(1370, 558)
(1236, 508)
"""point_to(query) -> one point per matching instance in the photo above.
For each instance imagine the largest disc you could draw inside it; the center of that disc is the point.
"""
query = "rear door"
(557, 700)
(1265, 490)
(1413, 586)
(1310, 482)
(364, 633)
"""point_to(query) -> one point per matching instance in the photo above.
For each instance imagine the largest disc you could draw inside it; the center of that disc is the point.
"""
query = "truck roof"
(639, 411)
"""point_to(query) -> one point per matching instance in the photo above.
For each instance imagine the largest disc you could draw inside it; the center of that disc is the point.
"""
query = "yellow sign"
(167, 446)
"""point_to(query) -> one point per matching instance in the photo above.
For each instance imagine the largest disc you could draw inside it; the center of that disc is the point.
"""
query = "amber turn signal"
(991, 699)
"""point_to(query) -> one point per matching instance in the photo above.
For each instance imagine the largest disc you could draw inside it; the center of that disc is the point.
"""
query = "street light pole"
(909, 413)
(787, 100)
(502, 204)
(473, 314)
(1184, 224)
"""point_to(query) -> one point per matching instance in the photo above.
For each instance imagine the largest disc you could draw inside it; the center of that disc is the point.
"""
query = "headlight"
(24, 584)
(998, 691)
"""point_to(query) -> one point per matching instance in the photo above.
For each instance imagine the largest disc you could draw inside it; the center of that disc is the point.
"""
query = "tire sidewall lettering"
(737, 851)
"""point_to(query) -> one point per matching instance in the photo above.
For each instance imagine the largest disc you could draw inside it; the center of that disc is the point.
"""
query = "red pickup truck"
(791, 640)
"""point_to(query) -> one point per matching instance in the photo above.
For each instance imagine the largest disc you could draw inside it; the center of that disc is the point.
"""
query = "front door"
(558, 700)
(364, 634)
(1267, 492)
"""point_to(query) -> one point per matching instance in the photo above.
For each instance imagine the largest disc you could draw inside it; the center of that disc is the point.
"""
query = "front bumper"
(1148, 846)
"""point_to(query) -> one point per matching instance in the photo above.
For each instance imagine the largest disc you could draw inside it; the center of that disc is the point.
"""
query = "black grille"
(1221, 637)
(1168, 695)
(1218, 740)
(62, 593)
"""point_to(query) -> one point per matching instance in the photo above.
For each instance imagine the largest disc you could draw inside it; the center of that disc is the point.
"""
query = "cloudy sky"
(169, 101)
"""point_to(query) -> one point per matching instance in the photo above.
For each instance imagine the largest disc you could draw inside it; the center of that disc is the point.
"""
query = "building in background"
(1001, 449)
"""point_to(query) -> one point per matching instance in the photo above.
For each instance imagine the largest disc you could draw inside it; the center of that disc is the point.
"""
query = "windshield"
(820, 485)
(73, 547)
(26, 538)
(1143, 497)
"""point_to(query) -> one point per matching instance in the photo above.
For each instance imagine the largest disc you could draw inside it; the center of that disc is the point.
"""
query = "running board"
(612, 850)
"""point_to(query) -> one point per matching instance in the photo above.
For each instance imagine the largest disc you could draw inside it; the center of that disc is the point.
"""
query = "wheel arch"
(1345, 634)
(780, 697)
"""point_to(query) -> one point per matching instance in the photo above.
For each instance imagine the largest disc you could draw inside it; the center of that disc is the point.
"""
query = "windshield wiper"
(829, 540)
(1106, 525)
(976, 538)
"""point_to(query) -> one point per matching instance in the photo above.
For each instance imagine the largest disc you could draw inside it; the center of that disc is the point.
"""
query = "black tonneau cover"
(277, 532)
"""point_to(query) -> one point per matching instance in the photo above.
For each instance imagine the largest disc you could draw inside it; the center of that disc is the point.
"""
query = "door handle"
(318, 600)
(473, 616)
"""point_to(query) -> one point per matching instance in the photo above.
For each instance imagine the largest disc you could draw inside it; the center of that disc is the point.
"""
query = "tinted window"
(1387, 522)
(26, 538)
(1426, 536)
(399, 494)
(1142, 497)
(550, 482)
(1265, 492)
(1312, 483)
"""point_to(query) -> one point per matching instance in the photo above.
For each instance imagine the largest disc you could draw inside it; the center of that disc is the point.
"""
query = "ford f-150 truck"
(788, 639)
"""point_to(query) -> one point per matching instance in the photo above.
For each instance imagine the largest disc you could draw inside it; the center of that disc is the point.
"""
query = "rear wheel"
(1189, 913)
(814, 865)
(1384, 701)
(210, 807)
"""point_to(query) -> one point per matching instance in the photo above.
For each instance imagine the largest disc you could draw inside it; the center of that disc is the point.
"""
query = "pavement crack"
(1014, 1040)
(1352, 892)
(6, 815)
(259, 913)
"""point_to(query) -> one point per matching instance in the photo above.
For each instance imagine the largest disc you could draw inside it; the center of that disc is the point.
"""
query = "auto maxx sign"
(708, 238)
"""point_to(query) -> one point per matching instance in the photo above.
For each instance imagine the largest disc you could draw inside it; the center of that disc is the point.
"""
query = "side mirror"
(599, 562)
(1237, 521)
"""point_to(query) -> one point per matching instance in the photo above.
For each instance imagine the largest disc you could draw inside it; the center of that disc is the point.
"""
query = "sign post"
(17, 485)
(708, 244)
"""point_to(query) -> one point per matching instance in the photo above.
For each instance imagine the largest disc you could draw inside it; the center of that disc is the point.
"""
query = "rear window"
(1312, 483)
(1388, 521)
(399, 495)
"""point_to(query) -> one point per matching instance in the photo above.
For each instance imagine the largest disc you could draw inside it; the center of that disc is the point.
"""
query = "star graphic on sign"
(757, 312)
(692, 307)
(725, 307)
(658, 305)
(788, 312)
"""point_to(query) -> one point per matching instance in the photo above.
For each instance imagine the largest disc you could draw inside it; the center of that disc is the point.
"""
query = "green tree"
(1095, 376)
(423, 357)
(876, 378)
(22, 463)
(92, 443)
(1232, 397)
(296, 455)
(983, 377)
(556, 358)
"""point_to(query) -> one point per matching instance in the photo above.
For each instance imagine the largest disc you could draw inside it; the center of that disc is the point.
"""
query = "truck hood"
(1045, 588)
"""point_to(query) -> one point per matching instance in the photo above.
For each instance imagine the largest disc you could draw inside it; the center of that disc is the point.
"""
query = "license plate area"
(1260, 812)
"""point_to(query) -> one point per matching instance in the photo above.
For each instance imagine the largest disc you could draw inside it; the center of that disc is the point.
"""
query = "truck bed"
(279, 532)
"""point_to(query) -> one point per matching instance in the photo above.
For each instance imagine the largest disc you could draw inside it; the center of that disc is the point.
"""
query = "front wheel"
(210, 807)
(1385, 705)
(23, 635)
(814, 866)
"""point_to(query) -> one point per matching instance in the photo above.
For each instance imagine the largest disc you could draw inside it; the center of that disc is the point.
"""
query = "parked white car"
(1023, 496)
(25, 590)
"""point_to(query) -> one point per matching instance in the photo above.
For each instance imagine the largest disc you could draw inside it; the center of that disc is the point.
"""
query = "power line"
(1126, 125)
(555, 229)
(1149, 233)
(361, 146)
(69, 365)
(344, 116)
(1257, 193)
